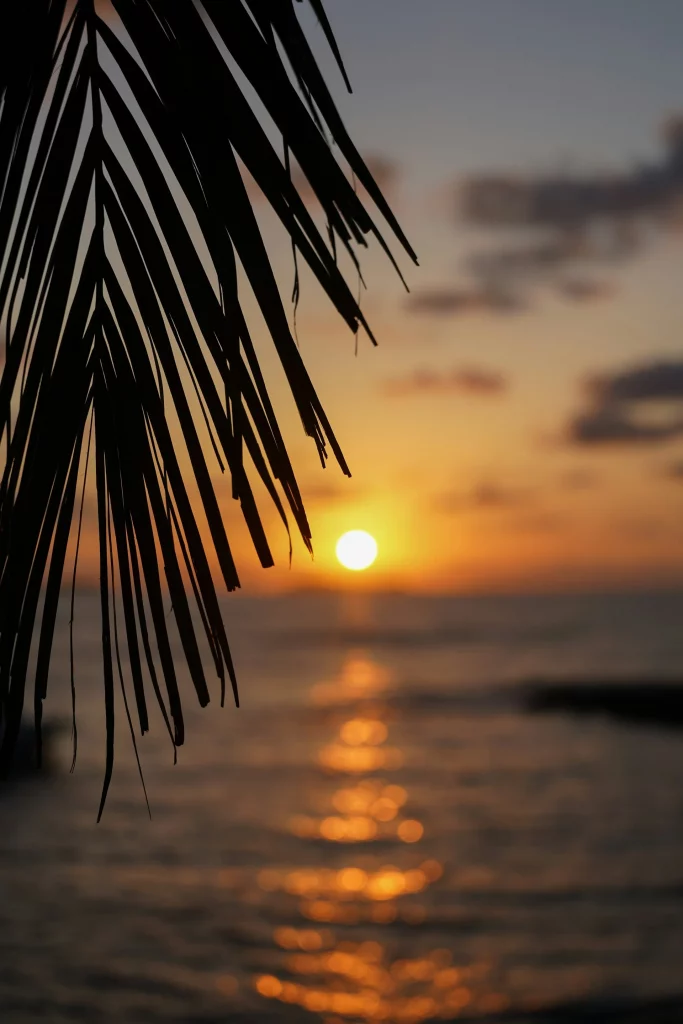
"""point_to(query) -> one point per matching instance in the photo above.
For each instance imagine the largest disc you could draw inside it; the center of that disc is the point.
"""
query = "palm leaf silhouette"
(125, 230)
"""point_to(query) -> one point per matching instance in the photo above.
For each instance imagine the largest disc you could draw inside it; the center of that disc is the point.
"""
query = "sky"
(520, 425)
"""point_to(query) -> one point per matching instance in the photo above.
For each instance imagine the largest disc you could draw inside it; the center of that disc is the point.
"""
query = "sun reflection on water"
(340, 979)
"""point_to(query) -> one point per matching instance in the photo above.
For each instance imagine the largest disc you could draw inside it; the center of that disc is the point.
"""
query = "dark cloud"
(651, 382)
(560, 229)
(484, 496)
(573, 202)
(641, 405)
(468, 381)
(613, 426)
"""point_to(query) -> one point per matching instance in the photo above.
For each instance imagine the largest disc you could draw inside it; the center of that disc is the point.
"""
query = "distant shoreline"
(645, 702)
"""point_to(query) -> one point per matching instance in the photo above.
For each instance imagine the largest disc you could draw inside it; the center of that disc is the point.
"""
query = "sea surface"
(381, 832)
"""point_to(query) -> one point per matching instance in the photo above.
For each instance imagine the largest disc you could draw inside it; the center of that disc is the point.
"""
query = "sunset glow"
(518, 428)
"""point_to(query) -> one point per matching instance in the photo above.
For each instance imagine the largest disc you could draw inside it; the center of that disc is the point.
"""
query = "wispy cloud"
(674, 470)
(384, 170)
(448, 301)
(487, 495)
(640, 405)
(332, 491)
(580, 480)
(538, 521)
(466, 381)
(582, 290)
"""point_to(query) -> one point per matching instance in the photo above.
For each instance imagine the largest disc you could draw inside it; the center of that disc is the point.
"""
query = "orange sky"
(463, 429)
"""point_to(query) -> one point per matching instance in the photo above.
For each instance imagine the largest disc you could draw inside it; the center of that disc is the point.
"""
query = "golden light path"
(356, 550)
(336, 962)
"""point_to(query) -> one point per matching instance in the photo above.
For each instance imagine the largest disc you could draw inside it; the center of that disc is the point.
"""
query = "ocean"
(381, 832)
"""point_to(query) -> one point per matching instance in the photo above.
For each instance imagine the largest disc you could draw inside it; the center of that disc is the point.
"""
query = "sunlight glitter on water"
(362, 980)
(512, 860)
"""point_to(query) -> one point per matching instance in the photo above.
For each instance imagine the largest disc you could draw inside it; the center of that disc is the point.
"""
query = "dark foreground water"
(380, 833)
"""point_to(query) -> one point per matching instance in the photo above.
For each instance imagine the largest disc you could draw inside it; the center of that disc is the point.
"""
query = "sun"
(356, 550)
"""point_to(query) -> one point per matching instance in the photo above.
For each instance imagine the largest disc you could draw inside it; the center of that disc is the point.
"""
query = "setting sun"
(356, 550)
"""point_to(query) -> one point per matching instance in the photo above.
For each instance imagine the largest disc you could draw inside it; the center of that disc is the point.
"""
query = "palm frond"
(120, 155)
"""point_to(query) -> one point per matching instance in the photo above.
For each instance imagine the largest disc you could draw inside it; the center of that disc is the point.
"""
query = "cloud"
(573, 203)
(522, 507)
(674, 471)
(640, 405)
(560, 229)
(485, 496)
(606, 426)
(384, 170)
(448, 301)
(468, 381)
(580, 480)
(328, 492)
(637, 528)
(651, 382)
(538, 522)
(585, 291)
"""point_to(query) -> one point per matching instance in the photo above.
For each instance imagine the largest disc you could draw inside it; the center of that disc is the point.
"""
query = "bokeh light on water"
(381, 832)
(363, 978)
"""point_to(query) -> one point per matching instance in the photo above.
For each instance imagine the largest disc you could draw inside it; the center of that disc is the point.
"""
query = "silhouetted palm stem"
(113, 319)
